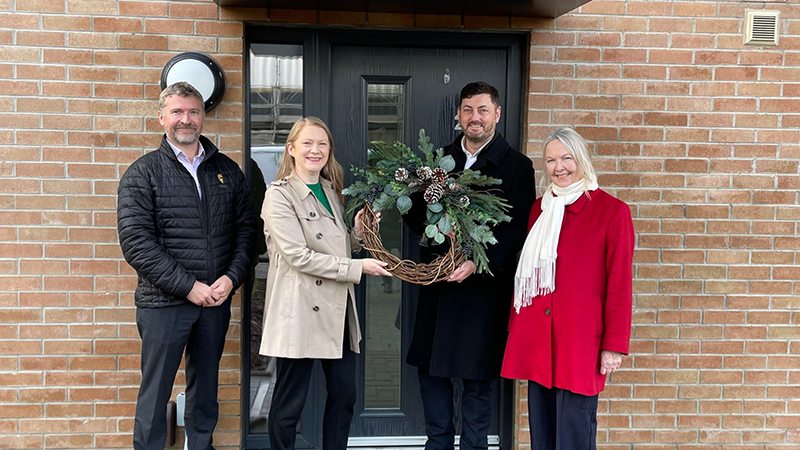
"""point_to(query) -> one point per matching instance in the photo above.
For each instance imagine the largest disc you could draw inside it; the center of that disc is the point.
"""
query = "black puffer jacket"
(171, 236)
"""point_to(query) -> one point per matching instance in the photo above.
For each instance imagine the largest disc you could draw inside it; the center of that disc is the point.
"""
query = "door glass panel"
(383, 363)
(276, 102)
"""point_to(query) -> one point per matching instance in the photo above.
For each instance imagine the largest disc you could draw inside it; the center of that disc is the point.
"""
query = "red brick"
(59, 89)
(657, 56)
(22, 442)
(143, 42)
(192, 43)
(578, 54)
(70, 441)
(194, 11)
(41, 38)
(41, 105)
(118, 58)
(118, 90)
(39, 6)
(714, 89)
(143, 76)
(541, 38)
(41, 396)
(44, 426)
(76, 23)
(759, 89)
(92, 40)
(690, 73)
(36, 72)
(624, 55)
(98, 139)
(116, 24)
(737, 73)
(142, 8)
(613, 23)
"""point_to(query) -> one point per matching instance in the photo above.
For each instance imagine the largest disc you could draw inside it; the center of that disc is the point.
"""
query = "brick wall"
(78, 95)
(697, 133)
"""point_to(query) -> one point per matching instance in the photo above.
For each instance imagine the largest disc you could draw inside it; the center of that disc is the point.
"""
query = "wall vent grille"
(761, 27)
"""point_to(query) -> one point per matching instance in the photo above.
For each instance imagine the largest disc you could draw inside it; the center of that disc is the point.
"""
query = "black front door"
(390, 93)
(387, 86)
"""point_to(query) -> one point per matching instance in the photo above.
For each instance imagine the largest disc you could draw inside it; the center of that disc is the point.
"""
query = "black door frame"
(317, 42)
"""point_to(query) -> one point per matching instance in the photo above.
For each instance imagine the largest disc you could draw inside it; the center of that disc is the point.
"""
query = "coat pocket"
(288, 293)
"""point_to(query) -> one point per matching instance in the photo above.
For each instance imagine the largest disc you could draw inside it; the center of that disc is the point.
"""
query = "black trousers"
(165, 333)
(560, 419)
(292, 380)
(476, 412)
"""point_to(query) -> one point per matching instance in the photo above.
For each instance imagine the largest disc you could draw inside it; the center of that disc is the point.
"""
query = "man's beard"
(183, 139)
(481, 137)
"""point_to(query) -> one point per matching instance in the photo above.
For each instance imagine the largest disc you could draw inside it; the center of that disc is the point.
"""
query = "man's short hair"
(180, 88)
(478, 88)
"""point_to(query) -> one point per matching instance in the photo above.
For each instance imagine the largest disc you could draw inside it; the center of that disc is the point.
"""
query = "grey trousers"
(166, 333)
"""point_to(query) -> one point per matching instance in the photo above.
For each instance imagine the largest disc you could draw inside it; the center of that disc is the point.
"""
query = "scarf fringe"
(541, 282)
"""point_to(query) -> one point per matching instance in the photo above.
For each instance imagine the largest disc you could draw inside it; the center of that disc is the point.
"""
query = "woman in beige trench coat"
(310, 310)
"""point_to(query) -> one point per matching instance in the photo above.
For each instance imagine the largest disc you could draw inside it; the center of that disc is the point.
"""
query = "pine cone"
(401, 175)
(439, 175)
(434, 193)
(464, 201)
(424, 173)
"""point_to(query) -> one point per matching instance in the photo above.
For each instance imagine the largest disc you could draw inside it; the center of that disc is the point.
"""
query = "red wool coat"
(556, 341)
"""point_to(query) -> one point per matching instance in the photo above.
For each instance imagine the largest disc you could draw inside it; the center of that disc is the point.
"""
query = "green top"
(320, 194)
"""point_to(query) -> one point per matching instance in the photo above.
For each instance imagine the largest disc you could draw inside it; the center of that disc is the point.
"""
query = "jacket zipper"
(202, 202)
(205, 215)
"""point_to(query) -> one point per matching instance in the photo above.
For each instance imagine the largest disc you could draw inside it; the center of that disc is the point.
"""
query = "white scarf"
(536, 271)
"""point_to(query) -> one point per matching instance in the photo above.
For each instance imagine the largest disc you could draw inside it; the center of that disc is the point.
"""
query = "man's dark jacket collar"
(492, 152)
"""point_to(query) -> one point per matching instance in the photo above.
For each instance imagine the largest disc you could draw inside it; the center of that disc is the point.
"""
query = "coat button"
(319, 235)
(312, 214)
(315, 308)
(546, 312)
(319, 282)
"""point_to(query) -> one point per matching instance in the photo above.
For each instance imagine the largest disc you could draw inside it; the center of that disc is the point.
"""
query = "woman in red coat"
(571, 320)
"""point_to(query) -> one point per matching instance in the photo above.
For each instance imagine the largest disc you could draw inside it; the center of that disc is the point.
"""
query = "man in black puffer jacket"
(186, 226)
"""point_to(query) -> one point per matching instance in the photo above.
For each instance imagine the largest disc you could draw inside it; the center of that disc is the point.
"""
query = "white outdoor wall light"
(199, 70)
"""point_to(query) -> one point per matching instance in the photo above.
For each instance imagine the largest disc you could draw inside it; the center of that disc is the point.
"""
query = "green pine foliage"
(394, 172)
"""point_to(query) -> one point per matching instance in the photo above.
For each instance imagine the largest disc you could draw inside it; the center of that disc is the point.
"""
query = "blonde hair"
(576, 145)
(332, 171)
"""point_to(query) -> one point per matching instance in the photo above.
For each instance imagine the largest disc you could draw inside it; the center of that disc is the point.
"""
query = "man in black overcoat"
(461, 324)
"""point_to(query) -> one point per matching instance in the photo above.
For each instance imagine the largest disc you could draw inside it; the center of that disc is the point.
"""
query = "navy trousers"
(292, 380)
(166, 333)
(476, 412)
(560, 419)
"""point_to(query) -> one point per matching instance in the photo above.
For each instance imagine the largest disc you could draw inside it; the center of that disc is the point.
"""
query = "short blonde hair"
(576, 145)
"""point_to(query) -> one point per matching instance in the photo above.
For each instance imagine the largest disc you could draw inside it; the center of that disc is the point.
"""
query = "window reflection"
(276, 102)
(385, 107)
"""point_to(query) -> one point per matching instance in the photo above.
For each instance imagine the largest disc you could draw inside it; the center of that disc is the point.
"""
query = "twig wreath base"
(440, 269)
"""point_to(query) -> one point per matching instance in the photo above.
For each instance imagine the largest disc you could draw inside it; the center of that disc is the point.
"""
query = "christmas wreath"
(394, 173)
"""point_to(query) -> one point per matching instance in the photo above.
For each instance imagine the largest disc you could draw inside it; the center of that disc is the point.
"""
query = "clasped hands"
(209, 296)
